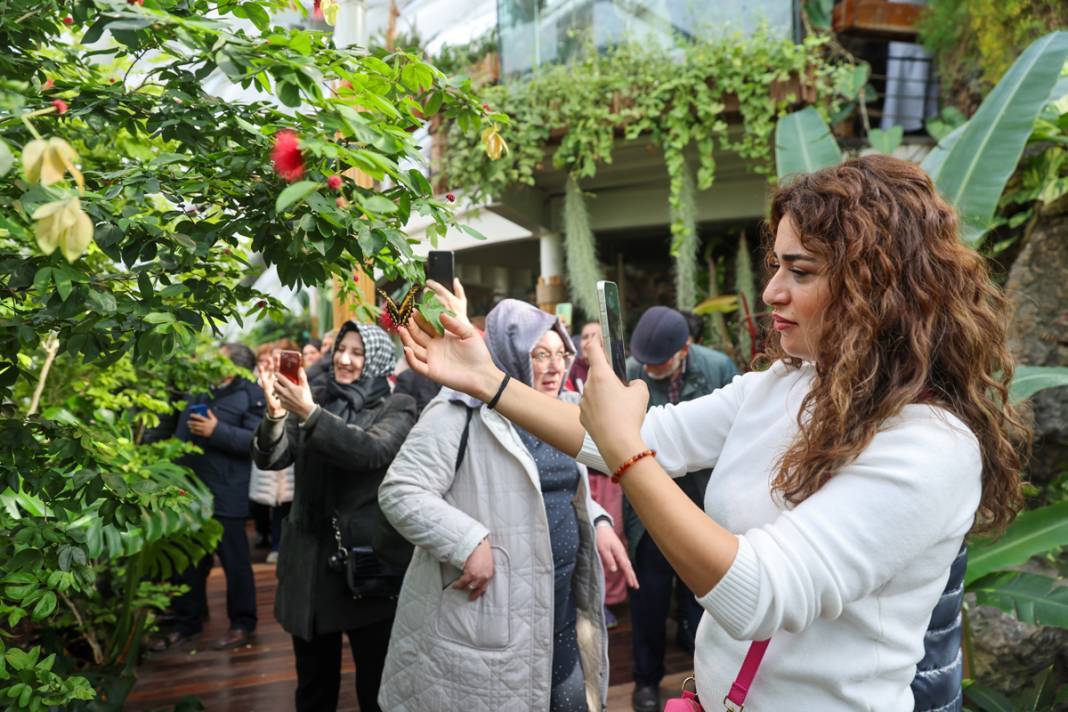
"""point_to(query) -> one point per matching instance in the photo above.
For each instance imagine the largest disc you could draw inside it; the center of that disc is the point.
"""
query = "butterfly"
(399, 315)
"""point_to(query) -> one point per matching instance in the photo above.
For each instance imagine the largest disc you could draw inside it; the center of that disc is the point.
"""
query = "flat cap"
(659, 335)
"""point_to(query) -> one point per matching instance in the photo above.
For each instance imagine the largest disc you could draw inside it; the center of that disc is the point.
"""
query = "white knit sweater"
(844, 583)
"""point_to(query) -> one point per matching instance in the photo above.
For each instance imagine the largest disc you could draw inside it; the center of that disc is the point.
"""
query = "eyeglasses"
(543, 357)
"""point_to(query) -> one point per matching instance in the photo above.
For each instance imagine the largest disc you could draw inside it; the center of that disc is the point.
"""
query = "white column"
(551, 246)
(351, 27)
(550, 289)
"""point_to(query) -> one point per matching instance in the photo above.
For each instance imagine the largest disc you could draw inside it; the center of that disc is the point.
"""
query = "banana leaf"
(974, 170)
(1034, 532)
(1028, 380)
(804, 143)
(1031, 598)
(986, 699)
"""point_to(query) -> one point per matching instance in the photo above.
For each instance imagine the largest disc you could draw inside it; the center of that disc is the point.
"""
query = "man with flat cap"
(675, 370)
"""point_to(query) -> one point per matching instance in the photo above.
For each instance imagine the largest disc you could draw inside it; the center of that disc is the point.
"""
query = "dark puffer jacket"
(937, 685)
(224, 466)
(338, 468)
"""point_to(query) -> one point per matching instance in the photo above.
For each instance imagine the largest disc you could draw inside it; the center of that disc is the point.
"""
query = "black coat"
(417, 386)
(225, 466)
(338, 468)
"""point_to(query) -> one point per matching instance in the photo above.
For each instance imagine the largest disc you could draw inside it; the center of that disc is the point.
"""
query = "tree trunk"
(1038, 334)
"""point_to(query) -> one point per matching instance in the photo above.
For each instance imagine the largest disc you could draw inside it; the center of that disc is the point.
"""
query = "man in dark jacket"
(232, 411)
(675, 370)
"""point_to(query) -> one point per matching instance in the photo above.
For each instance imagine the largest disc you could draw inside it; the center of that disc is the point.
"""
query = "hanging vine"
(583, 269)
(684, 244)
(697, 93)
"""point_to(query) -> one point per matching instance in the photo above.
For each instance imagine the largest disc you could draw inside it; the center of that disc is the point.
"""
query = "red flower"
(334, 182)
(386, 321)
(61, 106)
(288, 161)
(485, 107)
(450, 197)
(68, 20)
(356, 277)
(317, 10)
(48, 85)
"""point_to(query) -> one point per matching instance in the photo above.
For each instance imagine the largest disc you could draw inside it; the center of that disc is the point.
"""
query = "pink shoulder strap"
(735, 699)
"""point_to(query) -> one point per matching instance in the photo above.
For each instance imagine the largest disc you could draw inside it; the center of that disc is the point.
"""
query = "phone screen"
(612, 327)
(440, 267)
(289, 365)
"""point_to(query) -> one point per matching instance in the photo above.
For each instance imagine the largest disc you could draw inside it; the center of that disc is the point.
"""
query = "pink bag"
(687, 703)
(734, 701)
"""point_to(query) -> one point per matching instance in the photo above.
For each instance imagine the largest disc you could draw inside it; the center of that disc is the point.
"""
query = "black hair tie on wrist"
(500, 391)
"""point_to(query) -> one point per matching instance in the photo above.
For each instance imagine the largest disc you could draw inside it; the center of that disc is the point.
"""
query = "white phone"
(612, 327)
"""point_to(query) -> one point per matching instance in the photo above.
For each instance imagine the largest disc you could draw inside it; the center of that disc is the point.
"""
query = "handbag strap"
(735, 699)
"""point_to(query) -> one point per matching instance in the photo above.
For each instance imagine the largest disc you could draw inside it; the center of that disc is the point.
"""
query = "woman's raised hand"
(611, 411)
(295, 397)
(458, 358)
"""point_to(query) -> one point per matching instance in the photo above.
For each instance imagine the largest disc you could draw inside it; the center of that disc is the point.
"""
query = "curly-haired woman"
(846, 475)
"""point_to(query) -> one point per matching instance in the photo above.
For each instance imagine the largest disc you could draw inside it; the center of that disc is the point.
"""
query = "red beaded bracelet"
(626, 465)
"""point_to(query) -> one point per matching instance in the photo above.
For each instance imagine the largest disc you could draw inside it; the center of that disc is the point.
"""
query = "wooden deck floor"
(261, 677)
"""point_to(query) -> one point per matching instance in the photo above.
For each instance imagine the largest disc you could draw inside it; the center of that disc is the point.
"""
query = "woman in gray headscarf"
(503, 603)
(341, 435)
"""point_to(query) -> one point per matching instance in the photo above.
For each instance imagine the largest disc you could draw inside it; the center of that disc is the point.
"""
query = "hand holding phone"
(612, 327)
(199, 409)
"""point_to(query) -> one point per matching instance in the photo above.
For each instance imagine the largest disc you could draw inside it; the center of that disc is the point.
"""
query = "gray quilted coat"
(448, 654)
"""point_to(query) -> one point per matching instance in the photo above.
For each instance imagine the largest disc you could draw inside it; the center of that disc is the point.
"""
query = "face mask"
(676, 361)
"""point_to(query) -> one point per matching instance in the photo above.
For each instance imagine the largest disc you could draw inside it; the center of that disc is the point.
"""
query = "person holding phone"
(846, 475)
(505, 590)
(221, 423)
(340, 437)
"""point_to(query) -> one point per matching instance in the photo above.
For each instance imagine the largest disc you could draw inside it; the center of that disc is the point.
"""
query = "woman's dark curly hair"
(913, 316)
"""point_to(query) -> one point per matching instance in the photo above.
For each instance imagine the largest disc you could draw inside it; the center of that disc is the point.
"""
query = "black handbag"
(366, 575)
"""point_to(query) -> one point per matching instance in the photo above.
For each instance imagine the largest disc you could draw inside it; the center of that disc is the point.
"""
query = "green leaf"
(987, 699)
(804, 143)
(972, 174)
(819, 13)
(295, 193)
(378, 204)
(45, 606)
(63, 283)
(257, 15)
(1031, 598)
(1028, 380)
(1034, 532)
(886, 141)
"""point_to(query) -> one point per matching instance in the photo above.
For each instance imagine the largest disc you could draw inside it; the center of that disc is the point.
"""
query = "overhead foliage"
(573, 115)
(131, 201)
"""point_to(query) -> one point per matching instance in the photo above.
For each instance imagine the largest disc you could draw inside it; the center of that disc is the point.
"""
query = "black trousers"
(191, 608)
(277, 515)
(649, 606)
(319, 667)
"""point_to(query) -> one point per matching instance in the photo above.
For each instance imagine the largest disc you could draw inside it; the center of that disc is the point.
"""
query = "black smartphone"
(440, 265)
(612, 327)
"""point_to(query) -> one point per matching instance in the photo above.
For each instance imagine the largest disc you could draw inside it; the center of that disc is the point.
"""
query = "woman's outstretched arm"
(460, 360)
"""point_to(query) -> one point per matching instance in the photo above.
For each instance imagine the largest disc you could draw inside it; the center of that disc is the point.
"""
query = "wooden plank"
(877, 19)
